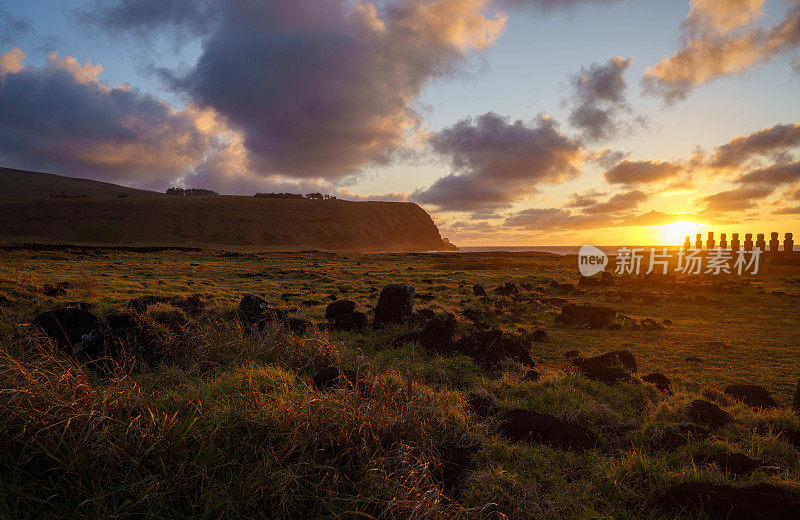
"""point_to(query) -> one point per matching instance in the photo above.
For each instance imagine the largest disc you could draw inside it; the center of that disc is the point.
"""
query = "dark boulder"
(454, 465)
(330, 377)
(478, 290)
(752, 395)
(436, 337)
(481, 404)
(618, 359)
(572, 354)
(605, 374)
(681, 435)
(141, 303)
(395, 304)
(736, 463)
(651, 324)
(300, 326)
(350, 321)
(539, 336)
(531, 375)
(661, 382)
(472, 315)
(339, 307)
(192, 305)
(507, 289)
(256, 313)
(75, 330)
(489, 348)
(707, 413)
(54, 291)
(758, 502)
(594, 317)
(536, 428)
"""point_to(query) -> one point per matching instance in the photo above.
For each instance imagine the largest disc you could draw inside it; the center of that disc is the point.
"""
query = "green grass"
(228, 426)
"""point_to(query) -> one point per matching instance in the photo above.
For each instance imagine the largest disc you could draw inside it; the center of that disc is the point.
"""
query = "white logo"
(591, 260)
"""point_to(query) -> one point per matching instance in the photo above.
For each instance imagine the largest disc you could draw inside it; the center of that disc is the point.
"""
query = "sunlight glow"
(674, 234)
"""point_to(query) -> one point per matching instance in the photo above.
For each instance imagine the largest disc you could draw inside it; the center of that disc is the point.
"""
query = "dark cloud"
(643, 172)
(738, 199)
(607, 158)
(319, 88)
(599, 107)
(578, 200)
(497, 162)
(660, 218)
(555, 219)
(773, 175)
(740, 149)
(61, 118)
(553, 5)
(787, 211)
(720, 38)
(618, 203)
(12, 28)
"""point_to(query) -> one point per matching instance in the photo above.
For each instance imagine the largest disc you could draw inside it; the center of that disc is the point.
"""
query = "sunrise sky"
(513, 122)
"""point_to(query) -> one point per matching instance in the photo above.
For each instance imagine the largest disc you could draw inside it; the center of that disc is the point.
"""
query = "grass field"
(226, 424)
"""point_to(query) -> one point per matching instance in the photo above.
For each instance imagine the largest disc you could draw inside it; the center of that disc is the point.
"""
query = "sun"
(674, 234)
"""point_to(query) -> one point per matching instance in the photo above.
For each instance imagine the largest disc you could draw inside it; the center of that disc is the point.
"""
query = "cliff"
(62, 210)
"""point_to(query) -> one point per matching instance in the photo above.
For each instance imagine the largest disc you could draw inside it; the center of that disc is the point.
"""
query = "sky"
(512, 122)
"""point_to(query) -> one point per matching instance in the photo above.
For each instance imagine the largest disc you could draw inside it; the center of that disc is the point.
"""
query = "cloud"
(618, 203)
(555, 219)
(553, 5)
(578, 200)
(720, 38)
(660, 218)
(61, 118)
(598, 100)
(773, 175)
(497, 162)
(607, 157)
(643, 172)
(735, 200)
(13, 28)
(320, 89)
(740, 149)
(787, 211)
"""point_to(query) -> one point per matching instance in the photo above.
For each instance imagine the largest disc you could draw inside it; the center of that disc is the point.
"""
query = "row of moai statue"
(760, 243)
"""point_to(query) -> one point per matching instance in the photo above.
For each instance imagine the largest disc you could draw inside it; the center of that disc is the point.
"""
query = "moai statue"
(748, 242)
(710, 243)
(723, 241)
(688, 244)
(698, 241)
(760, 243)
(788, 244)
(735, 244)
(774, 243)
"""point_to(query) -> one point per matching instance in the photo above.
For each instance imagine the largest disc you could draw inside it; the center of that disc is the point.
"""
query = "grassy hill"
(51, 209)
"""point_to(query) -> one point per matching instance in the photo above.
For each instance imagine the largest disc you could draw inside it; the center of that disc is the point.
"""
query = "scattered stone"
(758, 502)
(536, 428)
(615, 326)
(330, 377)
(472, 315)
(351, 321)
(531, 375)
(651, 324)
(489, 348)
(141, 304)
(299, 325)
(661, 382)
(605, 374)
(694, 359)
(395, 304)
(339, 307)
(481, 404)
(571, 354)
(736, 463)
(681, 435)
(436, 337)
(594, 317)
(59, 289)
(791, 436)
(75, 331)
(618, 358)
(667, 322)
(426, 314)
(705, 412)
(539, 336)
(310, 303)
(255, 312)
(455, 465)
(192, 305)
(752, 395)
(478, 290)
(507, 289)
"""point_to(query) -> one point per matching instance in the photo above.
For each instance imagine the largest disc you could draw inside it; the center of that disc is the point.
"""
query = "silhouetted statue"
(748, 242)
(735, 242)
(698, 241)
(760, 243)
(710, 243)
(788, 244)
(688, 244)
(723, 241)
(774, 243)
